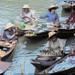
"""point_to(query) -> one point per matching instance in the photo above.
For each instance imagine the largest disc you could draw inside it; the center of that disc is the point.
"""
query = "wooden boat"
(61, 33)
(6, 48)
(43, 64)
(65, 33)
(43, 61)
(34, 35)
(36, 32)
(67, 71)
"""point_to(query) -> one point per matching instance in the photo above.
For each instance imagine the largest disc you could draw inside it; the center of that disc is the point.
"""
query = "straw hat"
(53, 7)
(50, 34)
(9, 25)
(26, 6)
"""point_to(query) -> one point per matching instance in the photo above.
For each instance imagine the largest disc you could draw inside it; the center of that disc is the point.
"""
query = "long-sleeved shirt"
(58, 43)
(51, 17)
(28, 16)
(9, 35)
(54, 45)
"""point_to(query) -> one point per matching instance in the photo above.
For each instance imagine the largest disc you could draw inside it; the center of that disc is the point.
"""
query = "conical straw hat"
(9, 25)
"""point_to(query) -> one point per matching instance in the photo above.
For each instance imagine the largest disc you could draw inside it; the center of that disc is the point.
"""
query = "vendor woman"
(52, 16)
(28, 15)
(10, 32)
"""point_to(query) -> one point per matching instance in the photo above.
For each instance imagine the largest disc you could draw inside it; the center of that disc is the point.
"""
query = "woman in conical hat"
(9, 25)
(9, 32)
(51, 16)
(28, 15)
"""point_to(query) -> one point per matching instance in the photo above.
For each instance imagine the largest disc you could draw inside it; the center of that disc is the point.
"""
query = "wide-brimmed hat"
(26, 6)
(53, 7)
(50, 34)
(9, 25)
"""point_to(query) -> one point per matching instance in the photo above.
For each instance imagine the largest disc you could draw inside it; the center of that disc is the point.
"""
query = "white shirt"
(30, 16)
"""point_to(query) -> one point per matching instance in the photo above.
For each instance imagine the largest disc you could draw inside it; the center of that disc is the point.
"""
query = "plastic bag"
(22, 25)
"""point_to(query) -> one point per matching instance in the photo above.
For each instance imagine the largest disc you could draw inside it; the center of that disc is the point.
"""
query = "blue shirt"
(51, 17)
(9, 35)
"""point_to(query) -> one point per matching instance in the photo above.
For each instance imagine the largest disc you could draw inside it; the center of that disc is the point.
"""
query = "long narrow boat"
(36, 32)
(36, 35)
(6, 48)
(61, 33)
(43, 63)
(66, 33)
(65, 66)
(45, 59)
(43, 31)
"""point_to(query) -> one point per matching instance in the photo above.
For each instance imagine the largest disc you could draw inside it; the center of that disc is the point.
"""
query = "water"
(25, 50)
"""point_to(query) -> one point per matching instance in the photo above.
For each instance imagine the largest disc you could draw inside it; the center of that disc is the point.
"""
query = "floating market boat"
(45, 59)
(36, 32)
(6, 48)
(66, 33)
(65, 66)
(36, 35)
(41, 31)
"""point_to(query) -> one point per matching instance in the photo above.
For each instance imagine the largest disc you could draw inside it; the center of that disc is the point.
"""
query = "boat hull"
(38, 35)
(63, 33)
(9, 52)
(65, 72)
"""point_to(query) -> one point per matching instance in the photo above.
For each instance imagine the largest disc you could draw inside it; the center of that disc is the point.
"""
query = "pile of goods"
(2, 53)
(30, 33)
